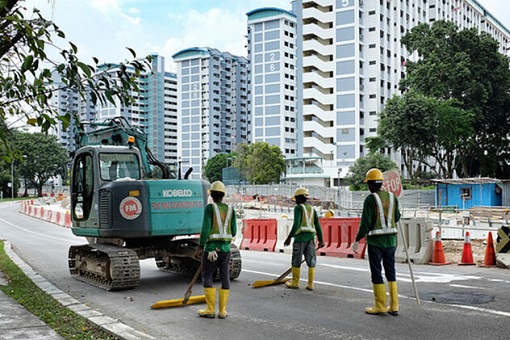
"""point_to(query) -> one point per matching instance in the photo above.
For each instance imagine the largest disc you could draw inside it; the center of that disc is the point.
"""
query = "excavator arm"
(116, 131)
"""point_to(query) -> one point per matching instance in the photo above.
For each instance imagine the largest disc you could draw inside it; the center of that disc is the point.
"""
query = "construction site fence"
(340, 199)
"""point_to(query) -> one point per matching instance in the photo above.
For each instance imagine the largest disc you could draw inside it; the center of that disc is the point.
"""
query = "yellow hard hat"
(374, 175)
(300, 192)
(218, 186)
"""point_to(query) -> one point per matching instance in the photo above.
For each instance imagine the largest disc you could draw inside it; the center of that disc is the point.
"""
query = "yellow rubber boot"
(393, 308)
(210, 300)
(223, 303)
(380, 300)
(294, 283)
(311, 275)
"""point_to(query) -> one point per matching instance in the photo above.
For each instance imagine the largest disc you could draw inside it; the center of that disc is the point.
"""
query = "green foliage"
(42, 158)
(358, 171)
(214, 167)
(260, 163)
(464, 66)
(423, 127)
(27, 72)
(64, 321)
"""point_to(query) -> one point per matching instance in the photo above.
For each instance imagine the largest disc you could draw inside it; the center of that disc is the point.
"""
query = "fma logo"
(177, 193)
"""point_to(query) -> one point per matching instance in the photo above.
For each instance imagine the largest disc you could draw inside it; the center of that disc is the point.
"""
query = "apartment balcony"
(324, 66)
(319, 29)
(319, 78)
(313, 93)
(323, 133)
(321, 14)
(320, 46)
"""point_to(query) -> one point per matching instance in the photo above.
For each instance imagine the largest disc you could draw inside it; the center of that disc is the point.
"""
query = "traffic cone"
(490, 253)
(467, 252)
(438, 258)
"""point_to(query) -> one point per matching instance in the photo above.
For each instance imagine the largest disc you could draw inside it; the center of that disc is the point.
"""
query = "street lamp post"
(12, 179)
(338, 184)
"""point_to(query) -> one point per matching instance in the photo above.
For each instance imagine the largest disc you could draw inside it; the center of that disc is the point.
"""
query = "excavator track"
(106, 266)
(183, 262)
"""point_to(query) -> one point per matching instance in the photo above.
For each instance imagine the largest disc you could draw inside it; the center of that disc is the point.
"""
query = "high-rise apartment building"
(68, 101)
(213, 105)
(273, 74)
(154, 110)
(352, 62)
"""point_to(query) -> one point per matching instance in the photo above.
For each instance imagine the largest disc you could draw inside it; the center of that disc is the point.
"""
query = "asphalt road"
(457, 302)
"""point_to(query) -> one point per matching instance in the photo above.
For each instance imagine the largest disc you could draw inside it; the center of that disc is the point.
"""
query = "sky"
(104, 28)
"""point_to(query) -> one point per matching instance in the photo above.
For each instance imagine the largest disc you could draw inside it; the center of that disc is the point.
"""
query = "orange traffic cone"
(438, 258)
(490, 253)
(467, 252)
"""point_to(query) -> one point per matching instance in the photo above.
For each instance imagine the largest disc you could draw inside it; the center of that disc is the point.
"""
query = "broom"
(187, 300)
(280, 279)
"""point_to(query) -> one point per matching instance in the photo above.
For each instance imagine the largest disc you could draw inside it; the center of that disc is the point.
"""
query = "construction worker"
(378, 224)
(329, 214)
(306, 226)
(218, 230)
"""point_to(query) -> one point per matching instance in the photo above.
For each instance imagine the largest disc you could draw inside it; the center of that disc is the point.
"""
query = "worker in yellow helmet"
(378, 224)
(218, 230)
(329, 214)
(306, 226)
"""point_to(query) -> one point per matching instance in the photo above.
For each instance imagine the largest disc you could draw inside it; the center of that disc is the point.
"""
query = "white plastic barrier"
(284, 228)
(417, 233)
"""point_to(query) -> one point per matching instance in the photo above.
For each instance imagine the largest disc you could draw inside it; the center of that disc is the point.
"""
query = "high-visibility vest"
(221, 229)
(385, 221)
(307, 225)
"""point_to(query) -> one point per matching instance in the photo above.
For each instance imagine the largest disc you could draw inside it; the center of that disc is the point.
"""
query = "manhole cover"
(457, 298)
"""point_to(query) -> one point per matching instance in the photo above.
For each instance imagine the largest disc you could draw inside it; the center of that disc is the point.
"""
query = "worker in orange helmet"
(378, 224)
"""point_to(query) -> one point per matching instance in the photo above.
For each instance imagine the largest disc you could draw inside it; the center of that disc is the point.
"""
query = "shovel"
(187, 300)
(280, 279)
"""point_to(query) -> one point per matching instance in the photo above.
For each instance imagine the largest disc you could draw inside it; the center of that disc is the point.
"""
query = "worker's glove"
(212, 256)
(355, 247)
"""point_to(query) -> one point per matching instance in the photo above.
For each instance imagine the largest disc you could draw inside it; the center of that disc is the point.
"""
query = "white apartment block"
(154, 110)
(68, 101)
(213, 105)
(272, 68)
(352, 61)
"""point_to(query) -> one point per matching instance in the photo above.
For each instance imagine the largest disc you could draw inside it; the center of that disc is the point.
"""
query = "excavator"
(129, 206)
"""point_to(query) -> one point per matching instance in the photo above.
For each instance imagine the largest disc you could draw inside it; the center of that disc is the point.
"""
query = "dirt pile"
(453, 250)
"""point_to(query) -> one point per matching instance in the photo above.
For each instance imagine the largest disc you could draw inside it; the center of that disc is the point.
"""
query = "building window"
(465, 193)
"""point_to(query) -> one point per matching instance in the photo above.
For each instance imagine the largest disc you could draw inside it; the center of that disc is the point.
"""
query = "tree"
(465, 65)
(424, 127)
(406, 123)
(260, 163)
(26, 70)
(214, 167)
(358, 171)
(43, 158)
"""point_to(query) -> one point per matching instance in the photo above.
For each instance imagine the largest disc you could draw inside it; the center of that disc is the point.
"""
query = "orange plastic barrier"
(259, 234)
(339, 235)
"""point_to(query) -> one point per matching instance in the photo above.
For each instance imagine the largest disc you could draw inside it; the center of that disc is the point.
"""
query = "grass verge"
(64, 321)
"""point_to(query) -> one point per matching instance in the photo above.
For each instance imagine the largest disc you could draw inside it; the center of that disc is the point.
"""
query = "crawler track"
(105, 266)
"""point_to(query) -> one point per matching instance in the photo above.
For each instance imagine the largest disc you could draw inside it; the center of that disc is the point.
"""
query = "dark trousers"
(304, 248)
(377, 255)
(209, 268)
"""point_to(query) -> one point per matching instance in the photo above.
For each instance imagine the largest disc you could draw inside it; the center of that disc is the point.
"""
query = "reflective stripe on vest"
(387, 227)
(224, 231)
(308, 227)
